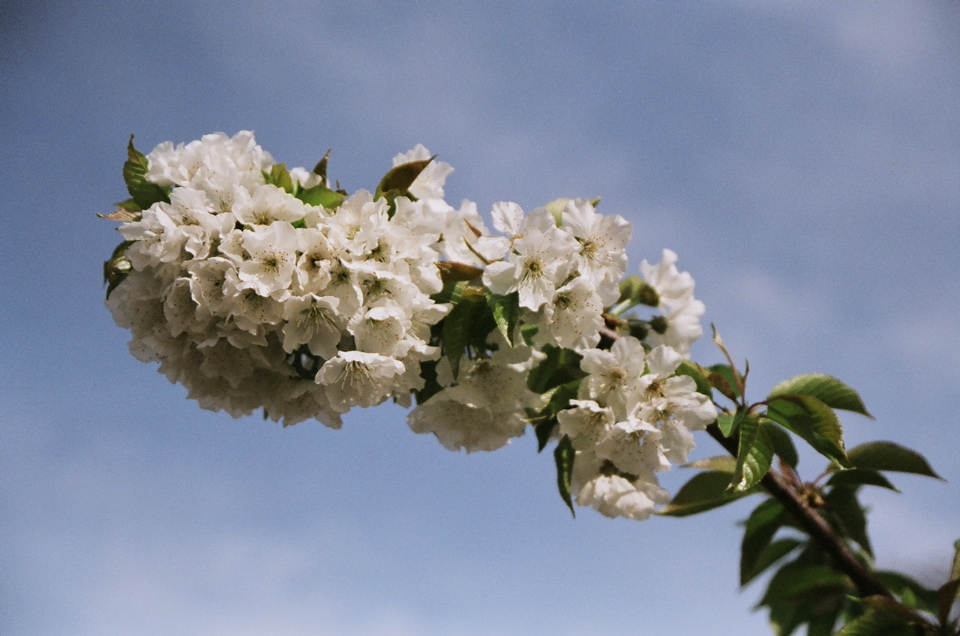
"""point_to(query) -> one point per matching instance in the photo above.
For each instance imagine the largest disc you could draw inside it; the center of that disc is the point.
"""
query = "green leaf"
(144, 193)
(911, 592)
(947, 594)
(129, 205)
(722, 378)
(527, 332)
(860, 477)
(786, 617)
(845, 508)
(891, 457)
(877, 624)
(884, 617)
(769, 556)
(398, 179)
(321, 195)
(782, 444)
(705, 491)
(955, 570)
(803, 582)
(117, 268)
(561, 396)
(639, 329)
(696, 372)
(428, 371)
(559, 367)
(451, 292)
(559, 399)
(321, 167)
(754, 454)
(564, 456)
(481, 324)
(455, 337)
(506, 313)
(457, 327)
(825, 616)
(813, 421)
(825, 388)
(759, 529)
(279, 176)
(812, 600)
(728, 423)
(544, 430)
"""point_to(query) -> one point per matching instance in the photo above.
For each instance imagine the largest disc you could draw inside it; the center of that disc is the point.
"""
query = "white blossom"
(155, 242)
(614, 376)
(381, 328)
(484, 409)
(539, 264)
(215, 163)
(616, 496)
(306, 179)
(508, 218)
(586, 423)
(681, 311)
(602, 240)
(317, 255)
(271, 260)
(255, 300)
(572, 319)
(312, 320)
(355, 378)
(267, 204)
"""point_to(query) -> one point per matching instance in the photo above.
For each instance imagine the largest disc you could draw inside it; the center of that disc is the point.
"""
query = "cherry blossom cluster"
(241, 290)
(634, 418)
(256, 287)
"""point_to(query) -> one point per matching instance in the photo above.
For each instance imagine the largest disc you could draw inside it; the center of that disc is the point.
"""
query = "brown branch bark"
(815, 525)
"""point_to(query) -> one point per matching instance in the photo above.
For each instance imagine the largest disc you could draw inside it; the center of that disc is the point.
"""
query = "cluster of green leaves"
(395, 183)
(143, 194)
(558, 377)
(320, 195)
(465, 331)
(806, 586)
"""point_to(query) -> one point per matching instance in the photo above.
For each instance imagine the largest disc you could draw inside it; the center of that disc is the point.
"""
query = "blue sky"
(803, 159)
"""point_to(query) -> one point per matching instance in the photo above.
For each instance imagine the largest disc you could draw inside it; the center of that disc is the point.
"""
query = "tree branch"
(819, 530)
(815, 525)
